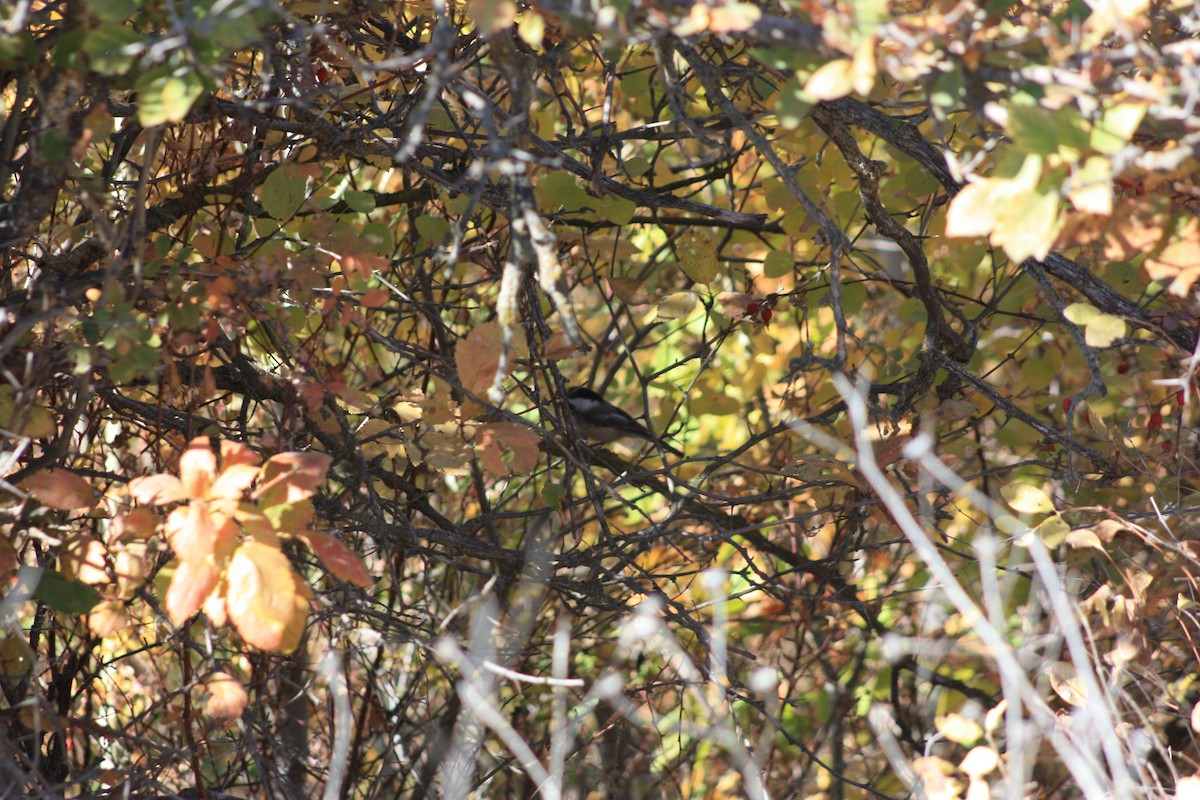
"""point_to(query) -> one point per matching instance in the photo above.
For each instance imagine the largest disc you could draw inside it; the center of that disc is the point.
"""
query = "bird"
(601, 421)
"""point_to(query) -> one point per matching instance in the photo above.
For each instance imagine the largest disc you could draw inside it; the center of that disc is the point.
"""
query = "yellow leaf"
(972, 211)
(697, 255)
(83, 559)
(677, 305)
(1027, 499)
(1103, 330)
(1081, 313)
(958, 728)
(108, 616)
(198, 467)
(1065, 682)
(980, 761)
(1091, 187)
(733, 17)
(831, 81)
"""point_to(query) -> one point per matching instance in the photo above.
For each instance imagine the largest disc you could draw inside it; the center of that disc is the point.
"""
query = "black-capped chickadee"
(601, 421)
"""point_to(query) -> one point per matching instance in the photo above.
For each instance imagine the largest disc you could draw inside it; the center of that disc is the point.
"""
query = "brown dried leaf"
(8, 560)
(61, 489)
(478, 356)
(495, 439)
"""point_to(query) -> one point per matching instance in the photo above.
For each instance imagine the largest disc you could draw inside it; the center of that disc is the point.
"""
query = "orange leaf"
(262, 597)
(226, 698)
(374, 298)
(193, 534)
(478, 356)
(157, 490)
(191, 584)
(107, 617)
(493, 439)
(236, 453)
(233, 481)
(139, 523)
(338, 558)
(83, 559)
(198, 467)
(58, 488)
(291, 477)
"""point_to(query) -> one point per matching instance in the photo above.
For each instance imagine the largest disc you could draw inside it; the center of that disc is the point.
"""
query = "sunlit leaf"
(190, 585)
(1027, 499)
(262, 597)
(227, 698)
(157, 490)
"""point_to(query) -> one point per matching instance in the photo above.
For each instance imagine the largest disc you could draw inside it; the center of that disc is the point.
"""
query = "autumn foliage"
(293, 503)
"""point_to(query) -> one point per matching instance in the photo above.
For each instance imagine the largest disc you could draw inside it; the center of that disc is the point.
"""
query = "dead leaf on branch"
(61, 489)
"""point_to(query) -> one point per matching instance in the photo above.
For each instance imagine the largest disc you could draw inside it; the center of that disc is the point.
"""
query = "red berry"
(322, 75)
(1066, 404)
(1168, 446)
(764, 314)
(1155, 424)
(752, 309)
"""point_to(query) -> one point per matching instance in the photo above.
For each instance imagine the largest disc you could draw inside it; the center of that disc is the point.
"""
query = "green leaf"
(362, 202)
(777, 264)
(165, 97)
(792, 105)
(61, 594)
(432, 229)
(617, 210)
(283, 191)
(112, 10)
(559, 191)
(112, 49)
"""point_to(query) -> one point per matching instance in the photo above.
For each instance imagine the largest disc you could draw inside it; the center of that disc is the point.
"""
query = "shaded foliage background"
(395, 233)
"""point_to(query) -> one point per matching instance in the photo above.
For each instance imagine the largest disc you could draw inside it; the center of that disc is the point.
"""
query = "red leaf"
(338, 558)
